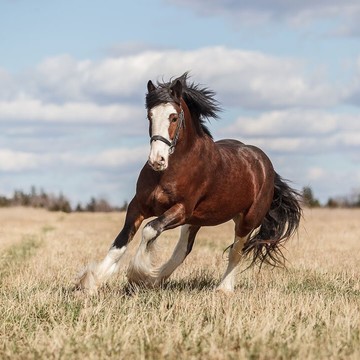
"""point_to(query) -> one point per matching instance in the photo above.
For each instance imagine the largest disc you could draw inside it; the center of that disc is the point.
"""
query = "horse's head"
(166, 118)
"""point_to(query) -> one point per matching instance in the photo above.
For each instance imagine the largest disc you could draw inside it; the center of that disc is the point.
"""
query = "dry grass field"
(311, 310)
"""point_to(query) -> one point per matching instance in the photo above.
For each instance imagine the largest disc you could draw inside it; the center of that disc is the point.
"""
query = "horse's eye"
(174, 119)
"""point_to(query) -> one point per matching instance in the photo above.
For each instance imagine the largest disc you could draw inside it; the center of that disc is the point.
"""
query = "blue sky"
(73, 78)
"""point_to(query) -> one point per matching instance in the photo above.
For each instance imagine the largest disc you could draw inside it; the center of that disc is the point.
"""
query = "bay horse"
(191, 181)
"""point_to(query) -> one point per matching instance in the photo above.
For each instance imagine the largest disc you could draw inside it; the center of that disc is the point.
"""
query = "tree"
(308, 197)
(332, 203)
(60, 203)
(91, 206)
(4, 201)
(79, 208)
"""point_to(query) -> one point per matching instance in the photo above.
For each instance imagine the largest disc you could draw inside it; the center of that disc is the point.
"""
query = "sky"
(73, 78)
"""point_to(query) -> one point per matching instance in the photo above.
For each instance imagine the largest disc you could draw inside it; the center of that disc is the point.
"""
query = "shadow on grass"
(198, 283)
(202, 281)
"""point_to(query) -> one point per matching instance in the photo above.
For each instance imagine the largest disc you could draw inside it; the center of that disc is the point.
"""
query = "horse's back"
(238, 152)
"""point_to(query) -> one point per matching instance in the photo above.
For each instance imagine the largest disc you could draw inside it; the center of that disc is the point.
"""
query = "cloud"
(247, 79)
(293, 122)
(106, 160)
(345, 15)
(116, 158)
(17, 161)
(115, 79)
(28, 109)
(298, 131)
(257, 81)
(316, 173)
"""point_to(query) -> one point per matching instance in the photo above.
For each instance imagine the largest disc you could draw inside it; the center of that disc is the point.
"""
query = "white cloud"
(26, 109)
(316, 174)
(296, 122)
(293, 122)
(111, 158)
(242, 78)
(18, 161)
(116, 158)
(298, 131)
(254, 80)
(351, 139)
(285, 145)
(109, 80)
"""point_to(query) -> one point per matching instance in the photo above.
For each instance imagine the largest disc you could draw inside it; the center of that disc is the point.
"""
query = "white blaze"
(159, 151)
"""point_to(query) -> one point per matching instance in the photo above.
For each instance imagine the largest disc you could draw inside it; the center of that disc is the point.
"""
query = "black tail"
(279, 224)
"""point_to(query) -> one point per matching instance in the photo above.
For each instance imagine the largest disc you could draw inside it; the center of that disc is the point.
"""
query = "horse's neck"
(191, 135)
(192, 148)
(193, 151)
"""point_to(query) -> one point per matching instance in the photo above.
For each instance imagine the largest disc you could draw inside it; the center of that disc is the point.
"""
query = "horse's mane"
(200, 101)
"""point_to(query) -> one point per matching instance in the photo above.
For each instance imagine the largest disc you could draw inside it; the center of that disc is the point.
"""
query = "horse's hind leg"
(228, 280)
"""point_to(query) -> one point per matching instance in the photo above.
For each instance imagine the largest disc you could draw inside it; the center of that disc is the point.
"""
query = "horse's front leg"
(96, 274)
(142, 269)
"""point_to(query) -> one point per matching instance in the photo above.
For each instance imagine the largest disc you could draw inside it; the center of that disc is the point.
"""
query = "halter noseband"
(174, 141)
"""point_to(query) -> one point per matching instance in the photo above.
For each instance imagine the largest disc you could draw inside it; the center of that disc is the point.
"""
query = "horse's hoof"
(87, 281)
(224, 291)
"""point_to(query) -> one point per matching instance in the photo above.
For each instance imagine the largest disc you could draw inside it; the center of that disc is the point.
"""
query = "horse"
(190, 181)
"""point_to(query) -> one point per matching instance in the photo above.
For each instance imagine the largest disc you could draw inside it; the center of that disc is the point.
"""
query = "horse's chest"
(161, 199)
(160, 195)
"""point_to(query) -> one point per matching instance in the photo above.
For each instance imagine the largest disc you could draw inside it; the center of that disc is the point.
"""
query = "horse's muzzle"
(158, 165)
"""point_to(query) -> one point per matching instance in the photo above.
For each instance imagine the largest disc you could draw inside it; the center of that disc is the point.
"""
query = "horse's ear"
(176, 90)
(150, 86)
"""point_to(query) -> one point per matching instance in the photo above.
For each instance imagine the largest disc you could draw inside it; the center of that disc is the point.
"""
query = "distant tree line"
(347, 201)
(40, 199)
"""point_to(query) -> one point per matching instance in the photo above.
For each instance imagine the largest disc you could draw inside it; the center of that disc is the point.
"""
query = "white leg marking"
(141, 269)
(95, 274)
(110, 264)
(228, 281)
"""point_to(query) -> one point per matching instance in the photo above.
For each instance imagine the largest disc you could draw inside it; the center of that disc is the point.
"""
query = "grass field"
(309, 311)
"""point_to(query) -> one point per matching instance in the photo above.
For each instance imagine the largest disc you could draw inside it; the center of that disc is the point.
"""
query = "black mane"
(200, 101)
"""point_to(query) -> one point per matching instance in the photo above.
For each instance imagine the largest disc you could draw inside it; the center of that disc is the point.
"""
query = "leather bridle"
(173, 142)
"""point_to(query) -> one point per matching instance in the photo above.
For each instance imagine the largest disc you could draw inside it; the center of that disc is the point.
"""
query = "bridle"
(173, 142)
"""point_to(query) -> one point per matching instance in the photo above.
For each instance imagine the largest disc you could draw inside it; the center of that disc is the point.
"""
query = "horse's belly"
(219, 209)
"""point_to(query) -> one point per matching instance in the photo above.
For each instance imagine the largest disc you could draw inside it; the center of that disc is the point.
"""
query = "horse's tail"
(279, 224)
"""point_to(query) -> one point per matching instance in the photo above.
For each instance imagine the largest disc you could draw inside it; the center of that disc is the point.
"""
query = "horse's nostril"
(162, 159)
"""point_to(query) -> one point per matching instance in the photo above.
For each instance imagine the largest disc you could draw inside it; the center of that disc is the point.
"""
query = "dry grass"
(309, 311)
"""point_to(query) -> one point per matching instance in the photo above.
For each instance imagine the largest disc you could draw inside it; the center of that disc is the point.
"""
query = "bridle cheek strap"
(173, 142)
